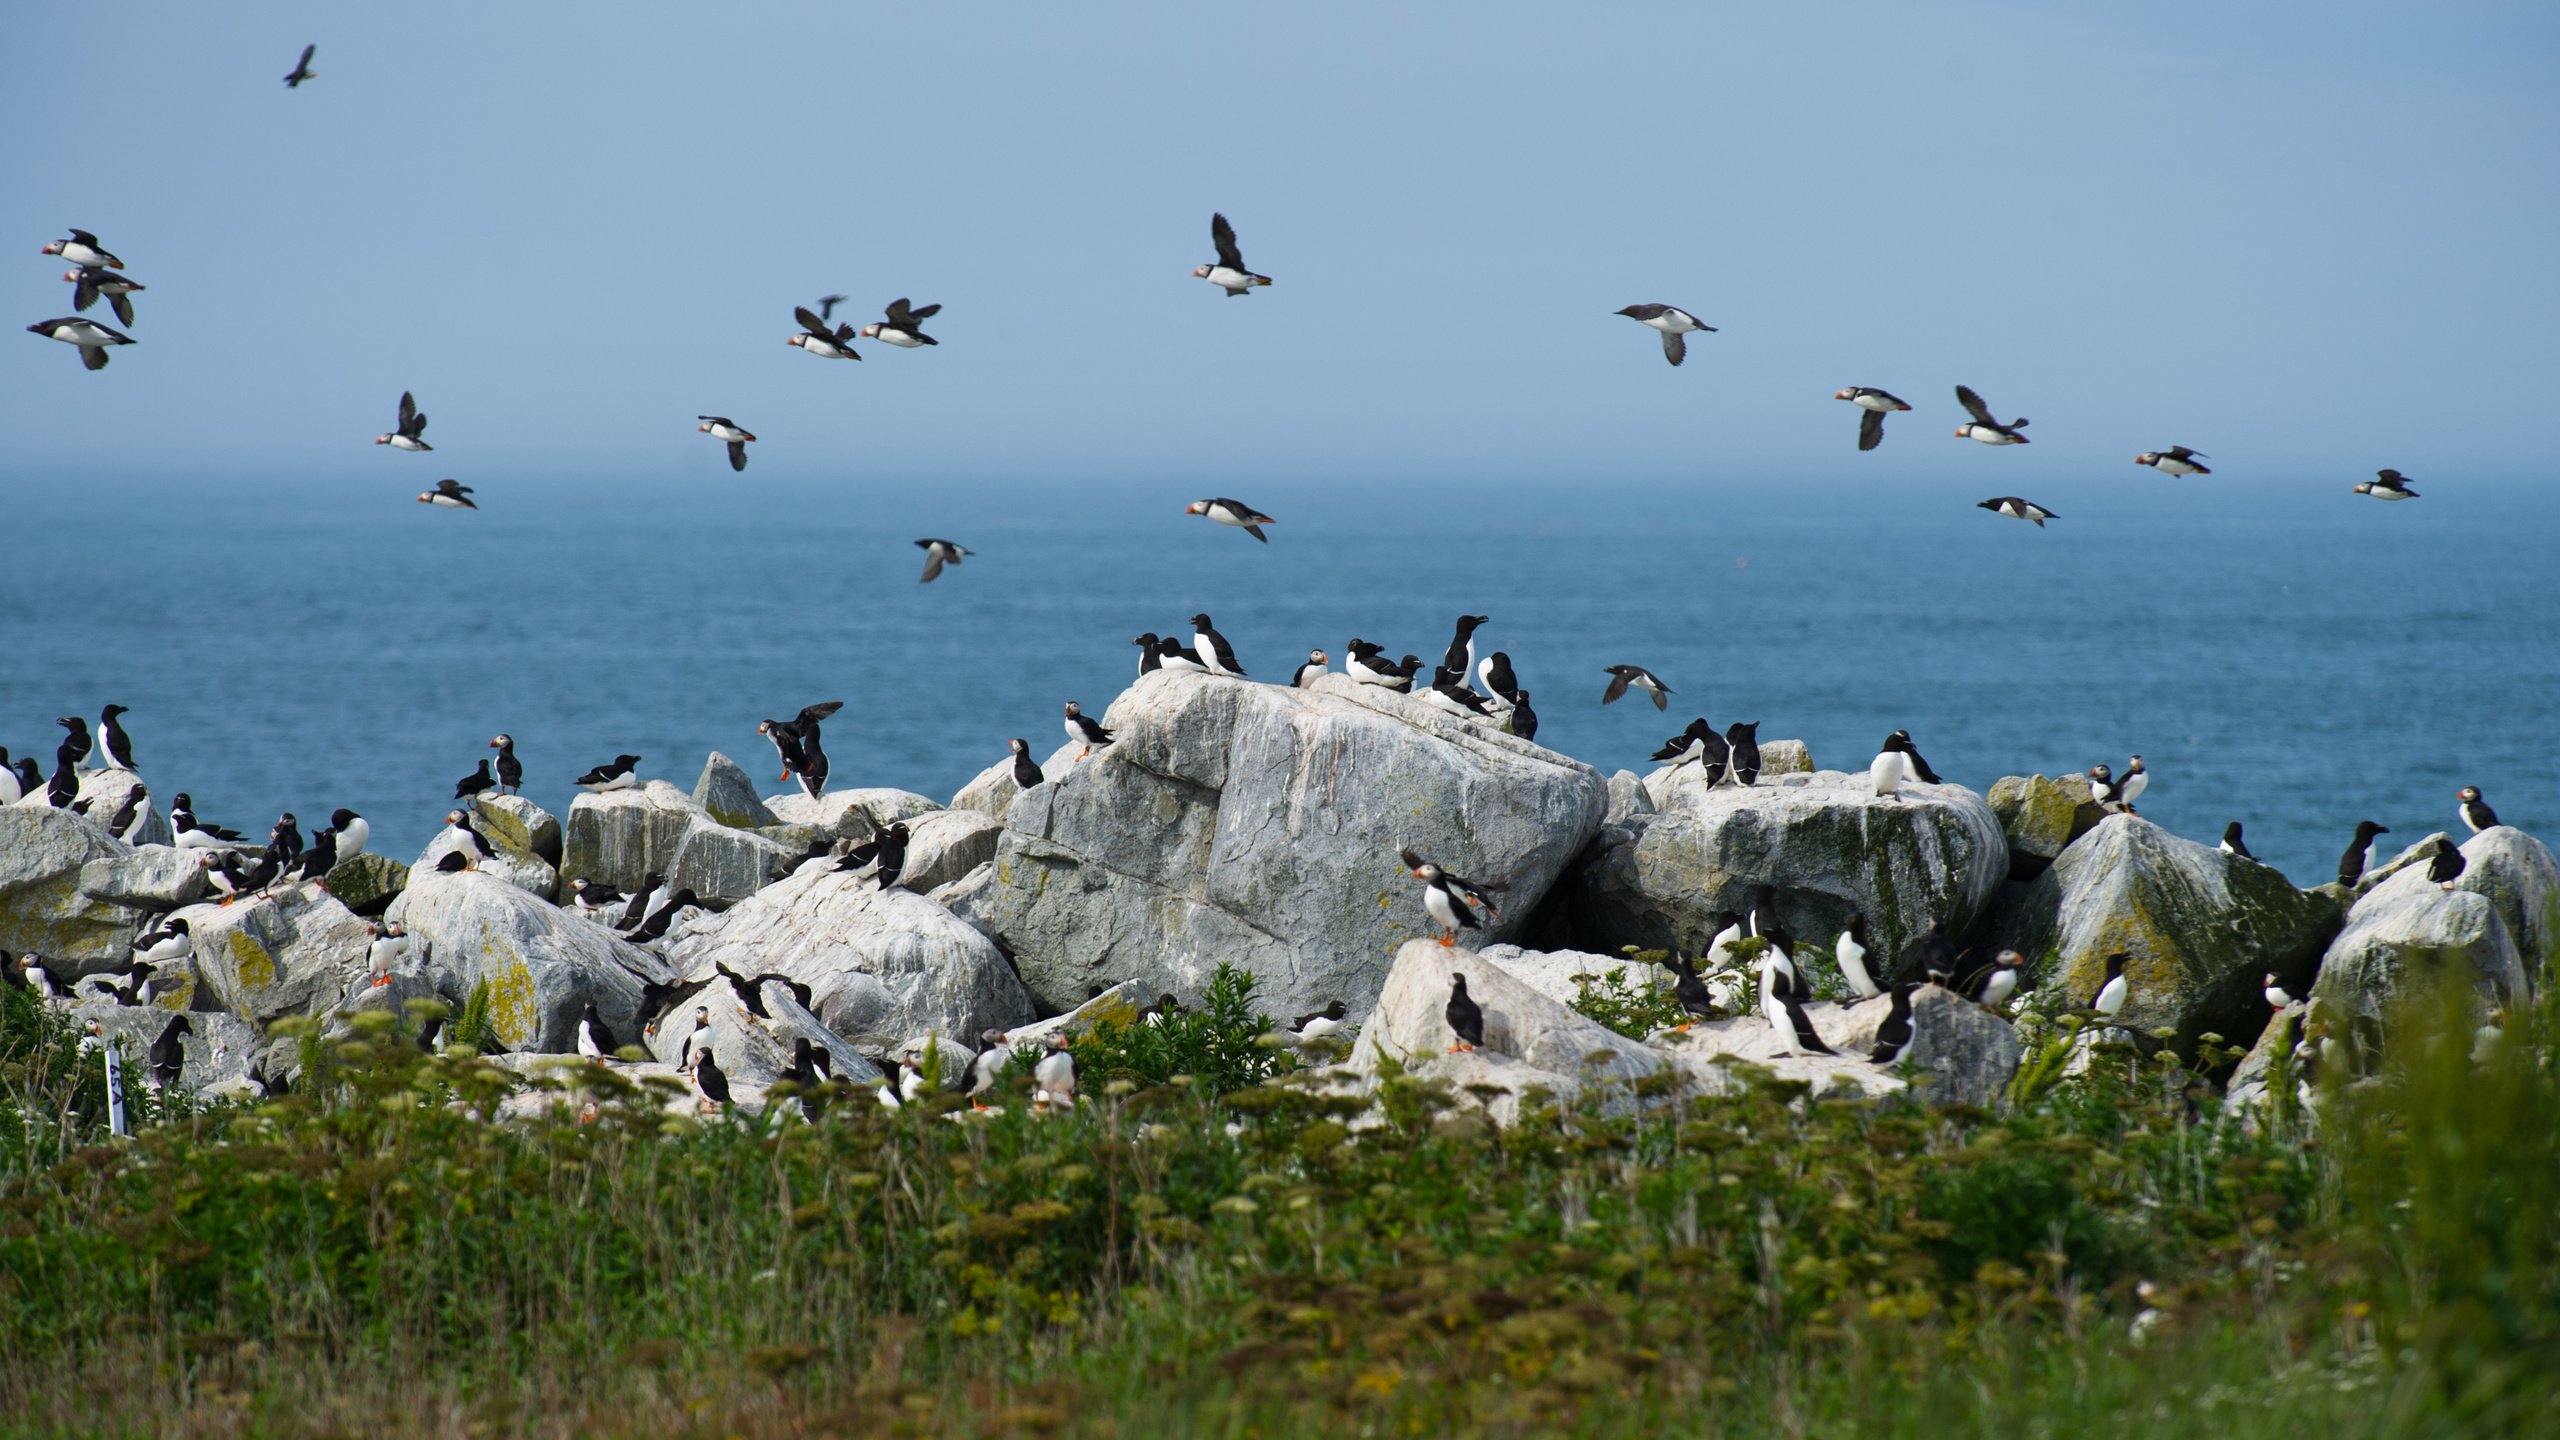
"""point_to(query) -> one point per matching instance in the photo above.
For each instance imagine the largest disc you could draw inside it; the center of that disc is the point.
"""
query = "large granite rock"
(2042, 817)
(1932, 855)
(971, 899)
(1531, 1039)
(1560, 974)
(2202, 928)
(1628, 799)
(542, 964)
(2409, 931)
(74, 894)
(621, 837)
(880, 963)
(720, 864)
(148, 877)
(1245, 823)
(850, 814)
(367, 883)
(218, 1047)
(2522, 882)
(727, 795)
(991, 792)
(521, 868)
(946, 845)
(746, 1048)
(298, 953)
(515, 823)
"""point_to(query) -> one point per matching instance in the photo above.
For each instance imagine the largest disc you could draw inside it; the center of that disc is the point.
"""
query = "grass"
(1247, 1255)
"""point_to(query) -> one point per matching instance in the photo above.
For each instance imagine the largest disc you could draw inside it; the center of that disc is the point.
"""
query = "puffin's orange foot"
(1448, 940)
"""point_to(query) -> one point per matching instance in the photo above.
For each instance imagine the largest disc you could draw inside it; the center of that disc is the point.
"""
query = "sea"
(2280, 651)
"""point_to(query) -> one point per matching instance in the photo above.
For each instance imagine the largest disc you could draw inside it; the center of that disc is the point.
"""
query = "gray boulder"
(542, 964)
(1245, 823)
(992, 792)
(2202, 928)
(1558, 974)
(883, 963)
(1628, 799)
(623, 836)
(1933, 854)
(520, 868)
(946, 845)
(298, 953)
(218, 1047)
(721, 864)
(148, 877)
(515, 823)
(971, 899)
(1531, 1039)
(367, 883)
(44, 855)
(2522, 882)
(2275, 1045)
(1785, 757)
(2408, 930)
(2042, 817)
(746, 1048)
(726, 794)
(848, 814)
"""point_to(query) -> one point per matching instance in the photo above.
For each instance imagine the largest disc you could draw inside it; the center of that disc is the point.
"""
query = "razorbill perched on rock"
(169, 1052)
(170, 942)
(2112, 994)
(903, 328)
(412, 429)
(1213, 649)
(83, 249)
(1920, 770)
(1148, 660)
(1367, 663)
(1172, 654)
(1807, 1039)
(818, 340)
(2387, 484)
(2351, 864)
(1495, 677)
(1460, 657)
(1465, 1016)
(93, 338)
(1084, 730)
(1026, 771)
(115, 749)
(510, 769)
(1893, 1035)
(1233, 512)
(729, 432)
(595, 1041)
(353, 832)
(793, 738)
(1324, 1024)
(2017, 509)
(1524, 721)
(302, 69)
(1672, 321)
(651, 894)
(1447, 694)
(91, 281)
(194, 834)
(1700, 743)
(1873, 405)
(2232, 844)
(1625, 677)
(1228, 271)
(1742, 751)
(619, 775)
(2176, 460)
(664, 915)
(938, 553)
(1983, 427)
(1307, 673)
(882, 858)
(2475, 811)
(2445, 863)
(475, 783)
(1850, 951)
(1891, 766)
(451, 494)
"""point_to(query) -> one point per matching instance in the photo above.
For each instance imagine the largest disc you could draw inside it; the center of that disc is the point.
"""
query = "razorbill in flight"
(1873, 405)
(2176, 460)
(413, 427)
(938, 553)
(1673, 322)
(2017, 509)
(93, 338)
(1228, 271)
(901, 328)
(722, 428)
(1229, 512)
(1982, 427)
(1622, 677)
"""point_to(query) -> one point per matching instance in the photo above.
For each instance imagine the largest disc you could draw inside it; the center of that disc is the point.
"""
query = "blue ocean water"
(2280, 652)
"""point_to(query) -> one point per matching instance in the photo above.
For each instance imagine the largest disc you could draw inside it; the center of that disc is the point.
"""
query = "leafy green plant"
(1634, 1007)
(1217, 1043)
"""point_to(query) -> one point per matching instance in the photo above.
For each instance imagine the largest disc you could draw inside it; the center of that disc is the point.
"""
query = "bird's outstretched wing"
(1973, 405)
(1224, 235)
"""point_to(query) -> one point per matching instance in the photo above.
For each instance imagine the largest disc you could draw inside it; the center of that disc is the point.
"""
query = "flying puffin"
(1213, 649)
(1873, 405)
(2475, 811)
(795, 740)
(938, 553)
(83, 249)
(2176, 460)
(2387, 484)
(1228, 271)
(722, 428)
(93, 338)
(1673, 322)
(413, 424)
(1621, 677)
(901, 328)
(91, 281)
(1084, 730)
(301, 69)
(818, 340)
(619, 775)
(2017, 509)
(1226, 512)
(1317, 660)
(1983, 427)
(827, 306)
(451, 494)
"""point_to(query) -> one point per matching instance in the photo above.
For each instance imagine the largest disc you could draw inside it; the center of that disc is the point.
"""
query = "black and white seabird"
(1228, 271)
(2102, 786)
(1307, 673)
(2386, 484)
(510, 769)
(170, 942)
(1084, 730)
(1624, 677)
(83, 249)
(595, 1040)
(1148, 660)
(2176, 460)
(2132, 783)
(2232, 844)
(1993, 984)
(115, 750)
(1449, 899)
(1213, 649)
(1697, 1000)
(468, 841)
(63, 786)
(882, 858)
(2445, 863)
(1983, 427)
(302, 69)
(1851, 953)
(1368, 664)
(1447, 693)
(1461, 655)
(2475, 811)
(795, 741)
(827, 306)
(664, 914)
(76, 744)
(1799, 1027)
(902, 328)
(713, 1084)
(1228, 511)
(2017, 508)
(1920, 770)
(88, 282)
(651, 893)
(1026, 771)
(451, 494)
(1465, 1016)
(353, 832)
(1523, 721)
(938, 553)
(413, 426)
(1172, 654)
(194, 834)
(1892, 764)
(474, 784)
(1495, 678)
(454, 863)
(1700, 743)
(1673, 322)
(2351, 864)
(389, 945)
(93, 338)
(1893, 1035)
(2277, 996)
(169, 1052)
(1742, 746)
(1873, 405)
(722, 428)
(2112, 994)
(619, 775)
(818, 340)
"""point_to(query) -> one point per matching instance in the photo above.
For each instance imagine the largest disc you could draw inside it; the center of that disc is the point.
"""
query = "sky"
(2309, 240)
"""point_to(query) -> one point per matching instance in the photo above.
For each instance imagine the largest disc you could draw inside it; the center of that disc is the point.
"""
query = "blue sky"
(2307, 239)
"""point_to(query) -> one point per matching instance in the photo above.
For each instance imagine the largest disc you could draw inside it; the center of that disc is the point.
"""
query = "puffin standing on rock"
(1450, 899)
(1465, 1016)
(1084, 730)
(1026, 771)
(468, 842)
(2475, 811)
(510, 769)
(1317, 660)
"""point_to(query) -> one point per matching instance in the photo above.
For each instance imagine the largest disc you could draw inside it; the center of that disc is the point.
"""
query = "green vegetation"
(376, 1254)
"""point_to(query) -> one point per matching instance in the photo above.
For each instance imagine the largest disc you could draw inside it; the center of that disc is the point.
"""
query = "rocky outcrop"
(74, 894)
(1628, 799)
(218, 1047)
(514, 823)
(719, 863)
(298, 953)
(623, 836)
(2202, 928)
(746, 1048)
(1559, 974)
(2517, 874)
(1532, 1041)
(850, 814)
(2042, 817)
(2409, 931)
(970, 899)
(521, 868)
(1932, 855)
(946, 845)
(542, 964)
(367, 883)
(148, 878)
(1245, 823)
(991, 792)
(727, 795)
(879, 963)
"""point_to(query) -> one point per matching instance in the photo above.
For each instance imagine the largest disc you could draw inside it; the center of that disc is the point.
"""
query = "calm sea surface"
(2280, 652)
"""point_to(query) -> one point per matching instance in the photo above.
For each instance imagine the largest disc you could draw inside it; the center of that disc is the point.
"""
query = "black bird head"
(2366, 830)
(1201, 621)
